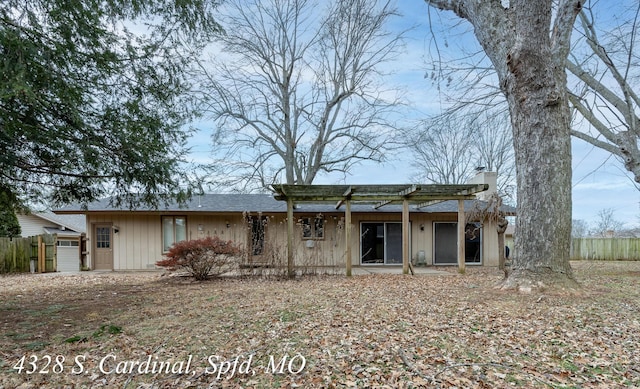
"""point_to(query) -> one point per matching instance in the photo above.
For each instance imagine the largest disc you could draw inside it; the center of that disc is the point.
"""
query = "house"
(122, 239)
(68, 229)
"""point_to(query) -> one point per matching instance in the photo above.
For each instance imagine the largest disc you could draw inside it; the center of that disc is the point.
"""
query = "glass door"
(393, 246)
(381, 243)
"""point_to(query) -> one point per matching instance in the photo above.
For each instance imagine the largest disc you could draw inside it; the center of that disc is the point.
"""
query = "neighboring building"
(121, 239)
(68, 229)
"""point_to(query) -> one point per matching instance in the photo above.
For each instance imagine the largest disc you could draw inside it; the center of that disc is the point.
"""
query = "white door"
(68, 255)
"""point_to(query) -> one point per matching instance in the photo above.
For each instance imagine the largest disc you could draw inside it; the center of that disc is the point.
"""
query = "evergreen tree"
(88, 108)
(9, 226)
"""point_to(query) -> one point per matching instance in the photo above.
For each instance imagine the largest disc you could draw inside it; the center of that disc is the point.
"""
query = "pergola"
(378, 195)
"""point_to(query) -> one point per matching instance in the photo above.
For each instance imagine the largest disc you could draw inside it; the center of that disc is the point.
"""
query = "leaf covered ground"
(145, 330)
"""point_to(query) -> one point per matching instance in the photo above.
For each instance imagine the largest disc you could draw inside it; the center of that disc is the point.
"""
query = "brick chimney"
(484, 177)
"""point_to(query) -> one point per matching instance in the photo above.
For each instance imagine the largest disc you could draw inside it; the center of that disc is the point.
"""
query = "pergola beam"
(422, 195)
(345, 196)
(403, 194)
(375, 193)
(428, 203)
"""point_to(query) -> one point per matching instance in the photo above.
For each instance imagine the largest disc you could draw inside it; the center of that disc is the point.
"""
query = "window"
(312, 227)
(103, 237)
(174, 229)
(258, 224)
(68, 243)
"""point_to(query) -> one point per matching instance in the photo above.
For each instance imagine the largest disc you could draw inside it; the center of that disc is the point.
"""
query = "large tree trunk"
(540, 118)
(535, 86)
(528, 51)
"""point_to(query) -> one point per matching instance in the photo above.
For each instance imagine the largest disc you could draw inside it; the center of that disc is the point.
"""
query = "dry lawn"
(366, 331)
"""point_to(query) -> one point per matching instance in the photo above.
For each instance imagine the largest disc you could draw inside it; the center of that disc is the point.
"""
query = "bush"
(202, 258)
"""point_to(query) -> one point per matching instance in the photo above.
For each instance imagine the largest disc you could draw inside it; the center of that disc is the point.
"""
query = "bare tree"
(603, 81)
(448, 148)
(493, 143)
(579, 228)
(528, 44)
(604, 91)
(299, 91)
(607, 225)
(441, 148)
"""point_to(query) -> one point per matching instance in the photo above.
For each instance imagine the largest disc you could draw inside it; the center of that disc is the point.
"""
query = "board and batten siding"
(138, 243)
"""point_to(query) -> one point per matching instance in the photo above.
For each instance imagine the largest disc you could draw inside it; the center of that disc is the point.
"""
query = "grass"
(364, 331)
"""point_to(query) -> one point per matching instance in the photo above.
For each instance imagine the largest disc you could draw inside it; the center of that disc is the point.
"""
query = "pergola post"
(461, 236)
(347, 236)
(290, 270)
(381, 195)
(405, 236)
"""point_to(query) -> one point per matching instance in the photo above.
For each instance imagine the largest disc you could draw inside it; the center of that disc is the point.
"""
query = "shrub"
(202, 258)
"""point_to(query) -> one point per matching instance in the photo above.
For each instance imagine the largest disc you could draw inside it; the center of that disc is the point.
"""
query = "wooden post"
(55, 252)
(347, 235)
(13, 245)
(41, 255)
(461, 229)
(405, 236)
(290, 270)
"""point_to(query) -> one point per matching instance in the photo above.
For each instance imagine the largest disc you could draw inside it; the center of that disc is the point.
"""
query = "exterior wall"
(32, 225)
(138, 243)
(490, 250)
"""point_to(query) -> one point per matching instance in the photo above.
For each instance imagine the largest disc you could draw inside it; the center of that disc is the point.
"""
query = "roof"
(233, 203)
(76, 223)
(61, 232)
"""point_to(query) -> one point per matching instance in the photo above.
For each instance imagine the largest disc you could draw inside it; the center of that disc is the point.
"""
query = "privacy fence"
(17, 254)
(607, 249)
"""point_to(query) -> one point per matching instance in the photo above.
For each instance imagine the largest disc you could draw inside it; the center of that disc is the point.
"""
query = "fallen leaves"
(367, 331)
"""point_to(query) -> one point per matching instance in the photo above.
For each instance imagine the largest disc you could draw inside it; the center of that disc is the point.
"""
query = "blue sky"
(599, 180)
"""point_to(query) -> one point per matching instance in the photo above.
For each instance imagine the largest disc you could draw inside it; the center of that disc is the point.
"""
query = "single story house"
(123, 239)
(69, 230)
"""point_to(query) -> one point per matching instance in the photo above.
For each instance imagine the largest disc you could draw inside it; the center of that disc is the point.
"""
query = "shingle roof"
(72, 222)
(218, 203)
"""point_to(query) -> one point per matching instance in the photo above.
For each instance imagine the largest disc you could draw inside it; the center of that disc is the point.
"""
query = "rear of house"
(120, 239)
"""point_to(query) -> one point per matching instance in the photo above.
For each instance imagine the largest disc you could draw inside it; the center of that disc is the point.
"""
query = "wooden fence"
(607, 249)
(16, 254)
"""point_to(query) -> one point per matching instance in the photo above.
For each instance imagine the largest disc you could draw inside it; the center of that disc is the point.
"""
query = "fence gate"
(17, 254)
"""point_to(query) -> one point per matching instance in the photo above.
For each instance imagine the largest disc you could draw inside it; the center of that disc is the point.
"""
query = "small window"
(174, 229)
(312, 227)
(68, 243)
(103, 237)
(258, 224)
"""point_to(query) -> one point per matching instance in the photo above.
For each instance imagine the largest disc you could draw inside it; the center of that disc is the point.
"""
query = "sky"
(599, 180)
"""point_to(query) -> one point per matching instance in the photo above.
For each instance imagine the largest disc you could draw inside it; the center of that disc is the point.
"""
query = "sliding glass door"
(381, 243)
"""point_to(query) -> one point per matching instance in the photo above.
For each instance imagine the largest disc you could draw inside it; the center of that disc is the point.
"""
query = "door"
(381, 243)
(103, 247)
(445, 244)
(68, 255)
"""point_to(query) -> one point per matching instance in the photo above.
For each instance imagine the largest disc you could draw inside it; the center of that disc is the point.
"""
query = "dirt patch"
(145, 330)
